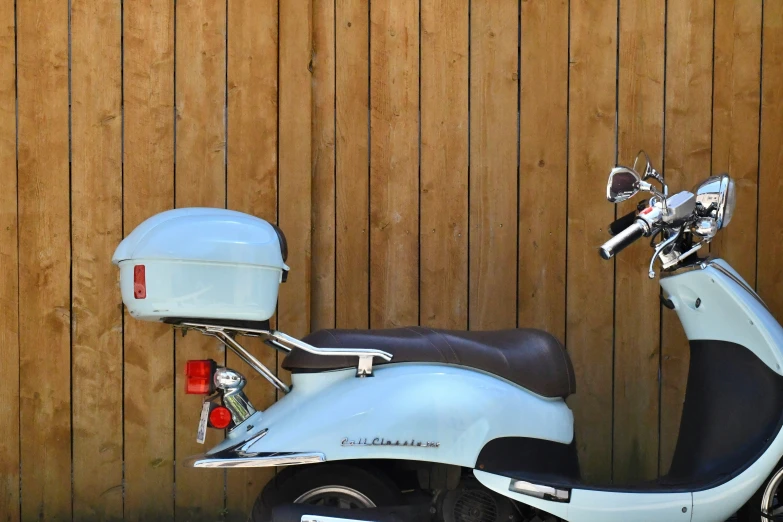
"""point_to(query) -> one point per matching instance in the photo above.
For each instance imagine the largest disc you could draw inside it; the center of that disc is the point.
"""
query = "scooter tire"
(295, 481)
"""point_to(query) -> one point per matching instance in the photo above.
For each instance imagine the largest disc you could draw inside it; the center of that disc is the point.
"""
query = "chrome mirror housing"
(623, 184)
(643, 166)
(716, 198)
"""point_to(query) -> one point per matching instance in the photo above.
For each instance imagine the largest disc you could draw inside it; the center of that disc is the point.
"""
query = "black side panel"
(537, 457)
(733, 409)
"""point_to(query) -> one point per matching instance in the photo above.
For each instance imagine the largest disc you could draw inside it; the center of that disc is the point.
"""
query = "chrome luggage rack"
(226, 334)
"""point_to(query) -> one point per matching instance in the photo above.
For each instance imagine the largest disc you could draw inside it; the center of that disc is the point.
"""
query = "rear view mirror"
(623, 184)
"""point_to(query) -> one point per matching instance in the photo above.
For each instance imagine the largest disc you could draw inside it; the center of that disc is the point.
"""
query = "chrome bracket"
(232, 383)
(222, 334)
(539, 491)
(365, 366)
(284, 342)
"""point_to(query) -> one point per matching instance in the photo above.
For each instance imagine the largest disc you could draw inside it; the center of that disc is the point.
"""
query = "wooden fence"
(440, 162)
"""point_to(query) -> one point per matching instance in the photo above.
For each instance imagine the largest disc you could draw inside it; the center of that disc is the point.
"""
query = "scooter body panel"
(602, 506)
(446, 414)
(426, 412)
(714, 305)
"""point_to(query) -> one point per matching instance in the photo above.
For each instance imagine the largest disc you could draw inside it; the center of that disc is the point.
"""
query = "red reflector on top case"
(139, 282)
(220, 417)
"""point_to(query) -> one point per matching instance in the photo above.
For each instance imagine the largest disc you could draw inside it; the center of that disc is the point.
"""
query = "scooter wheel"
(335, 485)
(768, 499)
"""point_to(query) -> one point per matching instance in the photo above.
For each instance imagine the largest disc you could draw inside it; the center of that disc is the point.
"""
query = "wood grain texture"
(770, 273)
(252, 186)
(9, 272)
(200, 180)
(148, 188)
(444, 163)
(543, 175)
(394, 163)
(96, 230)
(352, 158)
(637, 307)
(295, 177)
(44, 259)
(323, 166)
(590, 283)
(494, 91)
(735, 129)
(688, 136)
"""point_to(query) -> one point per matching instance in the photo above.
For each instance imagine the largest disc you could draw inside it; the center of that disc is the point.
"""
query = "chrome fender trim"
(258, 461)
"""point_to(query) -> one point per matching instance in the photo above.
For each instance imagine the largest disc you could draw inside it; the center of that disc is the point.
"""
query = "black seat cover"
(530, 358)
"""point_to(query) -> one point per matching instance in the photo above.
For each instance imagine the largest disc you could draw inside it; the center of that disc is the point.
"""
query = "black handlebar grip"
(622, 223)
(622, 240)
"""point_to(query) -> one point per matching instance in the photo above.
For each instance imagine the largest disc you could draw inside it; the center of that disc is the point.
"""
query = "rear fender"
(421, 412)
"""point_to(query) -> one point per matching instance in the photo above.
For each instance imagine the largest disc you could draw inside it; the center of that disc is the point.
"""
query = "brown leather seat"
(530, 358)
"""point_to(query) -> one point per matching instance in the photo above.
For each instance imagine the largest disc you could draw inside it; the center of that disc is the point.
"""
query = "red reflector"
(139, 282)
(199, 377)
(220, 417)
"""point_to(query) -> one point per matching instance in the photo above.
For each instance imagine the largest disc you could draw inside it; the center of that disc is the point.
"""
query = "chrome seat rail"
(227, 334)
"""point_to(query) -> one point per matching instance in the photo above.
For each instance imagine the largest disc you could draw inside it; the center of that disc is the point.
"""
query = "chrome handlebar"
(672, 215)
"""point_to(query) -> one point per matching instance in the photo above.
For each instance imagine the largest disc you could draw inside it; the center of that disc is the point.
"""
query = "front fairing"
(713, 302)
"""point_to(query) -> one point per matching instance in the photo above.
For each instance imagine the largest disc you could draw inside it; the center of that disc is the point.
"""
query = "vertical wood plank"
(688, 134)
(295, 177)
(148, 188)
(199, 181)
(735, 129)
(394, 163)
(252, 184)
(323, 158)
(543, 176)
(9, 272)
(770, 275)
(444, 163)
(637, 307)
(493, 164)
(44, 259)
(96, 225)
(352, 163)
(590, 283)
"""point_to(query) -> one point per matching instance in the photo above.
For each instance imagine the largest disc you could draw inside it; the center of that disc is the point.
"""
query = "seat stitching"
(502, 354)
(333, 337)
(446, 340)
(429, 341)
(338, 344)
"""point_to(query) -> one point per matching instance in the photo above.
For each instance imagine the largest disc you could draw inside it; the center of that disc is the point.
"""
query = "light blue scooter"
(420, 424)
